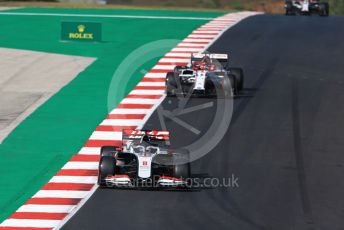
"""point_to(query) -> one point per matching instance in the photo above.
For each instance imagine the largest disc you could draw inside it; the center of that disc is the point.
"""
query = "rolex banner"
(81, 31)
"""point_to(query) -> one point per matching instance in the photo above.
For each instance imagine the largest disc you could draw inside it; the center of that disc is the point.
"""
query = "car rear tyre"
(229, 86)
(289, 8)
(182, 167)
(239, 77)
(171, 84)
(324, 9)
(182, 171)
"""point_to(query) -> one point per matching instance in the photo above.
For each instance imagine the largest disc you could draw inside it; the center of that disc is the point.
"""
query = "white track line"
(207, 31)
(200, 36)
(171, 54)
(141, 101)
(31, 223)
(89, 151)
(103, 16)
(46, 208)
(186, 44)
(157, 75)
(129, 111)
(161, 83)
(80, 165)
(187, 49)
(60, 194)
(121, 122)
(100, 135)
(198, 39)
(148, 92)
(167, 67)
(74, 179)
(171, 60)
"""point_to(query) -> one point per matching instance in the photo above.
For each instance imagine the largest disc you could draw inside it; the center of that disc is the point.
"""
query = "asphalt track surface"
(285, 142)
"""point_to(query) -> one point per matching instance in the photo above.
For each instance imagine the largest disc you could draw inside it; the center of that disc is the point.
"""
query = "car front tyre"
(107, 167)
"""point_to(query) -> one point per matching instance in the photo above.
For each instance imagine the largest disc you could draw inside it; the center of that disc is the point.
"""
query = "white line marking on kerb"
(103, 16)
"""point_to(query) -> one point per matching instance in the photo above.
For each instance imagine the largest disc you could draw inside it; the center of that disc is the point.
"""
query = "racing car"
(306, 7)
(206, 75)
(144, 159)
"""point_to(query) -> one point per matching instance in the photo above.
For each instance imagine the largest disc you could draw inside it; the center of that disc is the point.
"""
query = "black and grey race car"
(207, 75)
(307, 7)
(143, 160)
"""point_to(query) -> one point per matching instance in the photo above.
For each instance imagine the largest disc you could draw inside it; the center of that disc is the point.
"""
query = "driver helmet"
(146, 138)
(206, 59)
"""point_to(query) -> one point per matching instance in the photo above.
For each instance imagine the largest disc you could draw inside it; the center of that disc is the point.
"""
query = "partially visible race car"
(207, 75)
(306, 7)
(144, 159)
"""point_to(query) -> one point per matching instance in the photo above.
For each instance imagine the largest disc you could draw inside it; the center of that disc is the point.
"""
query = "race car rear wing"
(150, 137)
(212, 56)
(222, 58)
(138, 135)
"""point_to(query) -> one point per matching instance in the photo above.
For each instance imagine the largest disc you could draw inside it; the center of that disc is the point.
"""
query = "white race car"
(306, 7)
(144, 159)
(207, 75)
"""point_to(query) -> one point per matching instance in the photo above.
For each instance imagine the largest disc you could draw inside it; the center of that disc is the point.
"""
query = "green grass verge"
(41, 144)
(124, 5)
